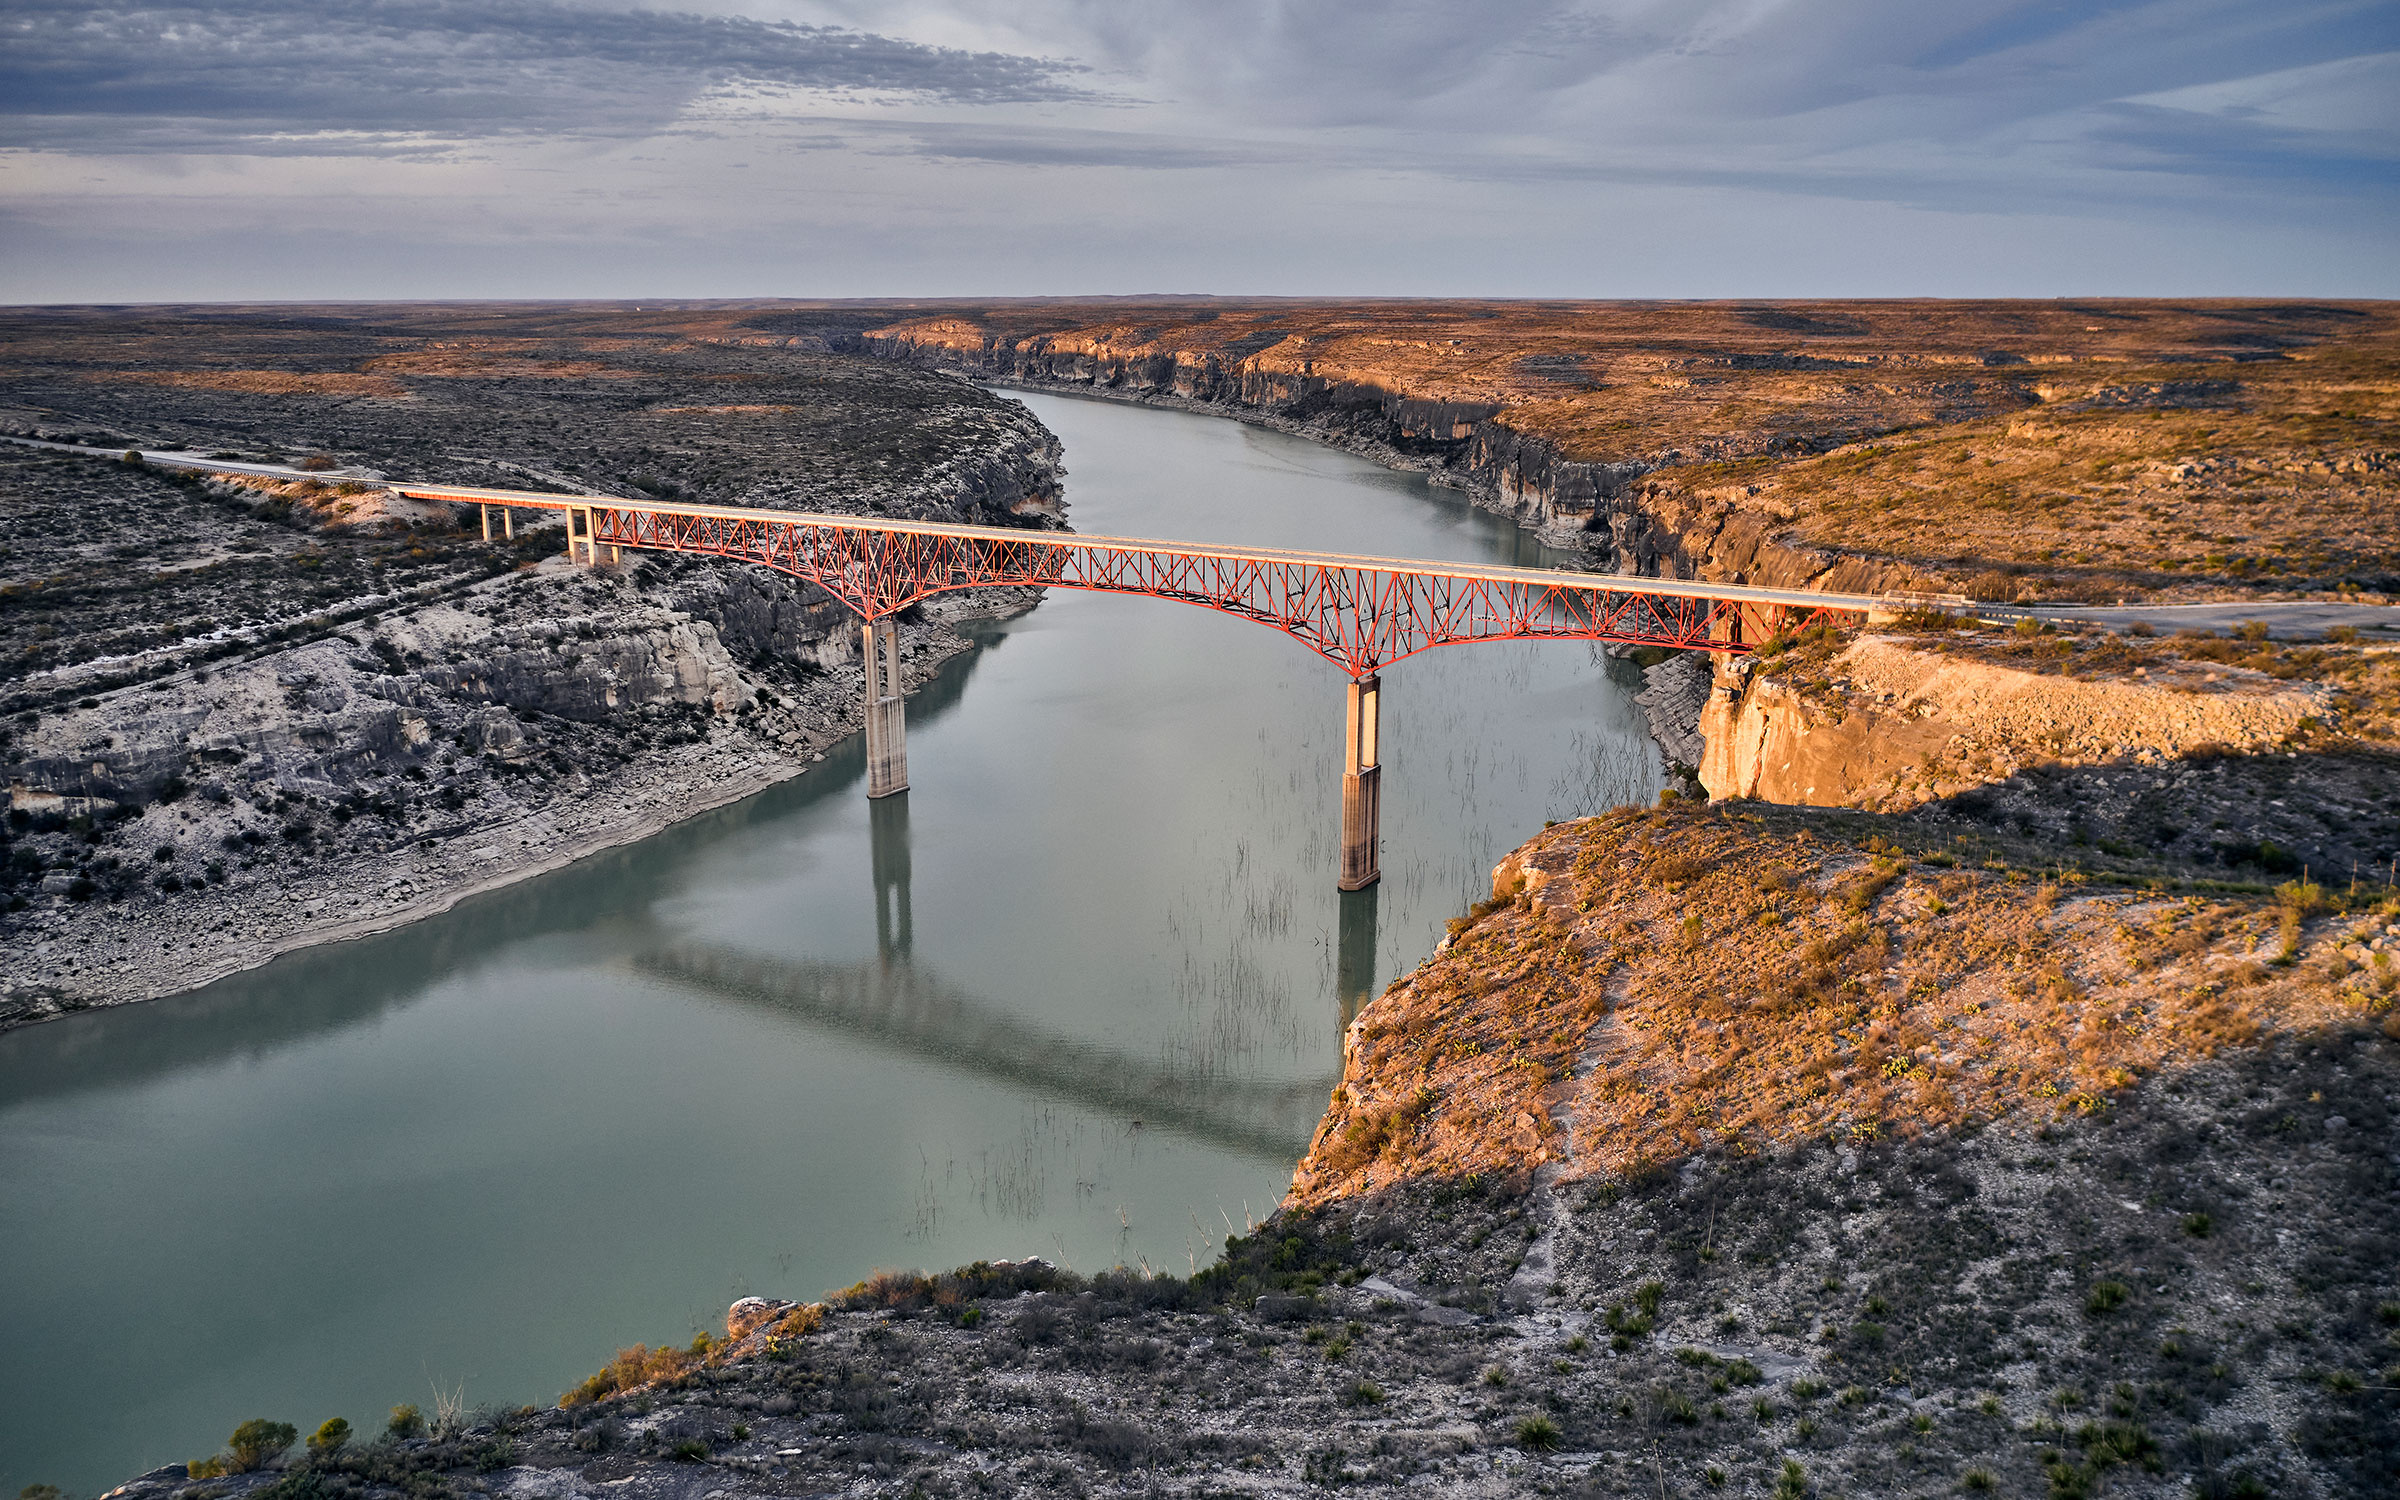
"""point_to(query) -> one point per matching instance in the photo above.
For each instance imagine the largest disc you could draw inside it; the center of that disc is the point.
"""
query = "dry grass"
(636, 1367)
(2288, 483)
(474, 364)
(640, 1365)
(1683, 981)
(262, 382)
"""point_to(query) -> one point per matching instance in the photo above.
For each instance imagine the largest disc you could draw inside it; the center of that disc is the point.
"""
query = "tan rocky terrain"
(2078, 450)
(247, 713)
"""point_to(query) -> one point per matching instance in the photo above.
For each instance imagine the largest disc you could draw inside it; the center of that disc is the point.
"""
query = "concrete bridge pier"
(887, 723)
(1362, 787)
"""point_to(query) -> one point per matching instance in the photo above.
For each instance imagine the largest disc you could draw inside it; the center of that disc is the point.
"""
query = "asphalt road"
(190, 460)
(2305, 620)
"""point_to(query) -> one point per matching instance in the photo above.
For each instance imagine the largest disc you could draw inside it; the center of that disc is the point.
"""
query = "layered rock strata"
(1886, 726)
(1674, 692)
(246, 715)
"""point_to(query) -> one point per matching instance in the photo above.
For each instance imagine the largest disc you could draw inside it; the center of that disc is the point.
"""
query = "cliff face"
(1464, 443)
(1885, 726)
(1655, 528)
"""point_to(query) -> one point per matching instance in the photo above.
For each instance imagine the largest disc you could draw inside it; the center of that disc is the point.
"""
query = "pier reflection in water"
(1354, 968)
(1078, 993)
(887, 834)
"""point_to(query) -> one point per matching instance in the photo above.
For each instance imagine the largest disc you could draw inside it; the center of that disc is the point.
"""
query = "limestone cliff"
(1884, 725)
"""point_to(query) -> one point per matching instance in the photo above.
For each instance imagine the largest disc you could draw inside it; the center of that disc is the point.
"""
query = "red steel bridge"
(1360, 613)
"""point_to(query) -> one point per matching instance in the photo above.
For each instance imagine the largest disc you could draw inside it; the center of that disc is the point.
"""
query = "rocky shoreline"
(1479, 492)
(258, 710)
(80, 955)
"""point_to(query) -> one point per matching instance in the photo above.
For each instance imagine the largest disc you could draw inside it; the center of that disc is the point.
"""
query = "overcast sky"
(1614, 148)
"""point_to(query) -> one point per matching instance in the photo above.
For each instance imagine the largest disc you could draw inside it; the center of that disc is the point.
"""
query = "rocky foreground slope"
(1729, 1150)
(244, 715)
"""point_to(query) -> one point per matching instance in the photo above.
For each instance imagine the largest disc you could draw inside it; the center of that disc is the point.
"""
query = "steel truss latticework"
(1360, 613)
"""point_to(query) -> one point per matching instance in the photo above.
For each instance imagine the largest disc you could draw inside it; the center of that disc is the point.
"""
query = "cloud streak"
(347, 75)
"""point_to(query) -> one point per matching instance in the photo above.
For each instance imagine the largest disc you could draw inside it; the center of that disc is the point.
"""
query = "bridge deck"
(1545, 578)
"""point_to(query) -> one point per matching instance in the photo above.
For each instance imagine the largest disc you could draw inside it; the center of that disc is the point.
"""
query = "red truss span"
(1360, 613)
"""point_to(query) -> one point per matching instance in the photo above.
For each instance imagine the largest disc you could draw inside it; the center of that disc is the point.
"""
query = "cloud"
(1864, 144)
(346, 75)
(1721, 85)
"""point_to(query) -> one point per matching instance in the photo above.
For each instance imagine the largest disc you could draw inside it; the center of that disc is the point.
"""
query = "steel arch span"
(1360, 613)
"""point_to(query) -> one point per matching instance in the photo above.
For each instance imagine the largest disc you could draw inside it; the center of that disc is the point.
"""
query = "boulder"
(749, 1315)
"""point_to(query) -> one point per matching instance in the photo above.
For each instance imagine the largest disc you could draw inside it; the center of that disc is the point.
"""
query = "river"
(1078, 994)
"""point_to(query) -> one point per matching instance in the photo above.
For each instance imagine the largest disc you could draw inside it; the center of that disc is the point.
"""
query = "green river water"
(1078, 994)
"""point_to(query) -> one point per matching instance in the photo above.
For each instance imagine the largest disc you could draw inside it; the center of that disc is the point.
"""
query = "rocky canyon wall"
(1627, 515)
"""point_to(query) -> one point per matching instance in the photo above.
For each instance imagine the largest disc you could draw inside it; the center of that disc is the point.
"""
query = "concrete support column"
(487, 521)
(508, 522)
(1362, 788)
(887, 723)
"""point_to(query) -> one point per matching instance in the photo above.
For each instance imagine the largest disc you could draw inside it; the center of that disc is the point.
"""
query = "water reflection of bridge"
(903, 1006)
(892, 1001)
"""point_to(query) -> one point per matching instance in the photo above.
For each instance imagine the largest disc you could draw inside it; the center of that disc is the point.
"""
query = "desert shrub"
(405, 1422)
(1120, 1445)
(889, 1290)
(258, 1442)
(800, 1322)
(329, 1438)
(1368, 1134)
(632, 1368)
(1537, 1433)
